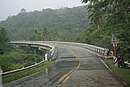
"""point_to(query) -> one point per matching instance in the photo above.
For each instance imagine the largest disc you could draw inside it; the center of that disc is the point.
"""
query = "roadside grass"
(123, 73)
(18, 75)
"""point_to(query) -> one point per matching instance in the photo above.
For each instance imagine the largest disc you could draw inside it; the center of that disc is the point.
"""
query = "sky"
(13, 7)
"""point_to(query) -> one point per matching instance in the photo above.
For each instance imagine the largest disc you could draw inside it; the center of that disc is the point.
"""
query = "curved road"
(91, 73)
(74, 67)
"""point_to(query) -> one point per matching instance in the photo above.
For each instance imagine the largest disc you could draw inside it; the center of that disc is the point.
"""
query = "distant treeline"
(65, 24)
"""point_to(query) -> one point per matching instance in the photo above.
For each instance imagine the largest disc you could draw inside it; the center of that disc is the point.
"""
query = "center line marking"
(66, 77)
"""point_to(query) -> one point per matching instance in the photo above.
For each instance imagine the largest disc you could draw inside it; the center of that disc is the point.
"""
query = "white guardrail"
(99, 50)
(102, 52)
(33, 44)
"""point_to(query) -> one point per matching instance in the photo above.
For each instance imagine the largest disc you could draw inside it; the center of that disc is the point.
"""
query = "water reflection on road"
(64, 63)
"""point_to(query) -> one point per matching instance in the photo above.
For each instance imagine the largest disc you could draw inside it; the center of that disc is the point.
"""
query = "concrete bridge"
(77, 65)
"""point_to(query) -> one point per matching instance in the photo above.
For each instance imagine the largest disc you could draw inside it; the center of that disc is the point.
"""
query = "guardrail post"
(0, 77)
(46, 57)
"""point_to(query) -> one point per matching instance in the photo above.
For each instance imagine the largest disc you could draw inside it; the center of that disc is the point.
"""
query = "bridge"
(75, 65)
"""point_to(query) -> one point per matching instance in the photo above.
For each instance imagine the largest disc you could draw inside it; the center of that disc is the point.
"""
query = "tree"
(117, 21)
(96, 11)
(23, 10)
(41, 34)
(116, 12)
(59, 22)
(3, 40)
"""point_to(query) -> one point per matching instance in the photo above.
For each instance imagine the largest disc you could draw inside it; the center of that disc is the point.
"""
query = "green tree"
(41, 34)
(96, 12)
(3, 40)
(58, 22)
(116, 19)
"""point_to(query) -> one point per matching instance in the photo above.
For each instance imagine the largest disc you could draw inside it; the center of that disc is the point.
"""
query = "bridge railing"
(50, 54)
(98, 50)
(102, 52)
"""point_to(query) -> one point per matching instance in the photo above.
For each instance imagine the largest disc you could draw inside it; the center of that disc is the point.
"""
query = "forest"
(64, 24)
(93, 24)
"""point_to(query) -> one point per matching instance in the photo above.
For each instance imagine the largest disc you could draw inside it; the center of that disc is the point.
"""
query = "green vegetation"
(94, 25)
(3, 40)
(64, 24)
(109, 17)
(17, 59)
(28, 72)
(123, 73)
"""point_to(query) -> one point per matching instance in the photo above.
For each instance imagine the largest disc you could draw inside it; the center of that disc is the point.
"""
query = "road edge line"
(115, 76)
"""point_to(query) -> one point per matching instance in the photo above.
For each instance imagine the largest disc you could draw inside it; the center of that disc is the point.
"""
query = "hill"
(65, 24)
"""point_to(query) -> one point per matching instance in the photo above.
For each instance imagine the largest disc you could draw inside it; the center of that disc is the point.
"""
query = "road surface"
(91, 73)
(74, 67)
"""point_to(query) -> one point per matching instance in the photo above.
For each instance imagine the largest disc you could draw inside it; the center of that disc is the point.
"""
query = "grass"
(12, 77)
(123, 73)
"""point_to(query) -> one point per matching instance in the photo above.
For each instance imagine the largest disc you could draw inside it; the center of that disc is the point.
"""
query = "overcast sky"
(13, 7)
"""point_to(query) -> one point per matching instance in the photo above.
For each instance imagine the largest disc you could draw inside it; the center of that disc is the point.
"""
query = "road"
(91, 73)
(74, 67)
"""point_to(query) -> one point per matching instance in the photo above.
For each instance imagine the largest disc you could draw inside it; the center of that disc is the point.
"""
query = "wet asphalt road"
(89, 72)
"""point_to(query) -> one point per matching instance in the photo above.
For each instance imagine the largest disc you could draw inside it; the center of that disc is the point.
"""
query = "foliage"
(18, 58)
(114, 19)
(42, 34)
(64, 24)
(3, 40)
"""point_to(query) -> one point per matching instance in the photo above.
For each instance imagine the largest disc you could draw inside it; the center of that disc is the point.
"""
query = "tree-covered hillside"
(66, 24)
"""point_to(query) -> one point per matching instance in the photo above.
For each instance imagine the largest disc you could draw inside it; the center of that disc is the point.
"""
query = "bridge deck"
(91, 73)
(74, 67)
